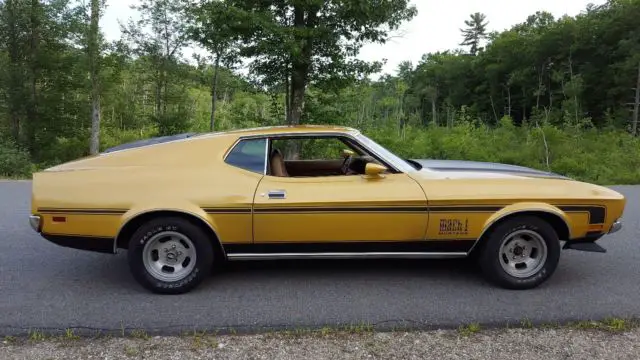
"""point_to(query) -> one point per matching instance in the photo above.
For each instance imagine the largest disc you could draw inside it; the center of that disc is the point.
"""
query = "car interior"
(309, 161)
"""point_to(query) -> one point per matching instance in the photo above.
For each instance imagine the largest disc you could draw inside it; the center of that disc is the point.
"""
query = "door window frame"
(345, 137)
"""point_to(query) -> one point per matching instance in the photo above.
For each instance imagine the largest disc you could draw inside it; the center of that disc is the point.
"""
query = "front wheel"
(520, 253)
(170, 255)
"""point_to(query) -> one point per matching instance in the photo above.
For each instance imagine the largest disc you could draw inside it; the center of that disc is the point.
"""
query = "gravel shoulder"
(582, 341)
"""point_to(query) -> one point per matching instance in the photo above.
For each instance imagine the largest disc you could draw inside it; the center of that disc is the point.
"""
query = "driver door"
(315, 208)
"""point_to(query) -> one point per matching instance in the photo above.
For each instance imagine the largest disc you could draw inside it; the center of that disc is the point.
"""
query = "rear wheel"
(170, 255)
(520, 253)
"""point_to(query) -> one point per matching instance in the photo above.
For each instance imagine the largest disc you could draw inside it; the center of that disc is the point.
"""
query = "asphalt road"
(48, 287)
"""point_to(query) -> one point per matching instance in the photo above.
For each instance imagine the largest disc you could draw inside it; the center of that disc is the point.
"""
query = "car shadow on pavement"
(458, 270)
(113, 273)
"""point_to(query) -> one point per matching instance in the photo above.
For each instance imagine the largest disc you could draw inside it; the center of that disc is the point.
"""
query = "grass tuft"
(468, 330)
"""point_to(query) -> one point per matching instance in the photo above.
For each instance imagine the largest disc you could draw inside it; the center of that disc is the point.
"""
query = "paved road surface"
(49, 287)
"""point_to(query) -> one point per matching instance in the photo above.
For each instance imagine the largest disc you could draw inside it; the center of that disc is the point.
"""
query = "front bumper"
(617, 225)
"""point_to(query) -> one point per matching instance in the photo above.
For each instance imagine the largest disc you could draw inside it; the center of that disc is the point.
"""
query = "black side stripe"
(597, 214)
(227, 210)
(82, 211)
(480, 208)
(341, 209)
(404, 209)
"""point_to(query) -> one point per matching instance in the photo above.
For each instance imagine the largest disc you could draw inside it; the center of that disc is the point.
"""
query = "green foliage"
(14, 162)
(604, 157)
(548, 93)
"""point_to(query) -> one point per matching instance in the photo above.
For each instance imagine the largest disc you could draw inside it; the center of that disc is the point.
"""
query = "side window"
(319, 148)
(249, 155)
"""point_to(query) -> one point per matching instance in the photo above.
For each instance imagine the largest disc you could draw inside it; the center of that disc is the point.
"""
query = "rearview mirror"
(374, 170)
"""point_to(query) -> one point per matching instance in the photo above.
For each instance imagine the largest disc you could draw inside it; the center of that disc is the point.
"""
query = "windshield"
(398, 162)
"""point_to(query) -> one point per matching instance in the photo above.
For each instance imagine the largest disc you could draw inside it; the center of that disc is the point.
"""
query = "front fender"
(526, 207)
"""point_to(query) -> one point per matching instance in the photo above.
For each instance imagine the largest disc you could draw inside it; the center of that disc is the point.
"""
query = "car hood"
(479, 169)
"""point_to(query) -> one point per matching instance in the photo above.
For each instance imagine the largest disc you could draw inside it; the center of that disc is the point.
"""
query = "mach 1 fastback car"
(180, 204)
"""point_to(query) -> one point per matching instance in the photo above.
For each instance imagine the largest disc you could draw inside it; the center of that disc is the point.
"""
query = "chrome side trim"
(347, 255)
(617, 225)
(35, 222)
(513, 213)
(266, 156)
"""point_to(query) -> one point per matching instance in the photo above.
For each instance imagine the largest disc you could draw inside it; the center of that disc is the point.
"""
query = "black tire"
(202, 246)
(489, 256)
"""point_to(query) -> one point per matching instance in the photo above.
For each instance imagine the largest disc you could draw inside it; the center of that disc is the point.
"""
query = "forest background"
(558, 94)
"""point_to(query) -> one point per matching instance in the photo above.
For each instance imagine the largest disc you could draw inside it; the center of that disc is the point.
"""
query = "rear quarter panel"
(98, 195)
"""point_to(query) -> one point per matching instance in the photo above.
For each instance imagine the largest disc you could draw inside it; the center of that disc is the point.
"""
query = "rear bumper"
(36, 222)
(94, 244)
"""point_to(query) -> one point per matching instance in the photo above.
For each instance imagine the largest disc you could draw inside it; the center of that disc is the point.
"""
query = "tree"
(476, 31)
(158, 36)
(13, 34)
(93, 52)
(210, 28)
(313, 41)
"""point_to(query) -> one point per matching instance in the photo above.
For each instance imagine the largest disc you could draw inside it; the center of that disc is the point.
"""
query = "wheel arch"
(130, 225)
(551, 214)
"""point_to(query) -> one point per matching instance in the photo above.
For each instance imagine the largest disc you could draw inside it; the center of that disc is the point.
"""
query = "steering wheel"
(346, 163)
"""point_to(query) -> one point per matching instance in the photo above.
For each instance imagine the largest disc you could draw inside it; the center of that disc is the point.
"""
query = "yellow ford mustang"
(179, 204)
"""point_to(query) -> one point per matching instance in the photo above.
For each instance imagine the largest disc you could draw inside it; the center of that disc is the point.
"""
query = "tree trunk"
(575, 96)
(434, 111)
(300, 72)
(298, 87)
(524, 104)
(165, 96)
(165, 64)
(15, 80)
(287, 99)
(540, 76)
(158, 93)
(636, 105)
(495, 114)
(508, 109)
(214, 91)
(32, 109)
(94, 147)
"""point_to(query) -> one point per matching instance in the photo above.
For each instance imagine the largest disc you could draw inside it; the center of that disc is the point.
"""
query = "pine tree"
(476, 31)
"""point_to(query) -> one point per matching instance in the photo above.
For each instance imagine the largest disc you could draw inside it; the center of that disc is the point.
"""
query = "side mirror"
(374, 170)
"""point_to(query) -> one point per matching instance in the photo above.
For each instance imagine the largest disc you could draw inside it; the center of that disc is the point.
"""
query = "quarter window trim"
(240, 140)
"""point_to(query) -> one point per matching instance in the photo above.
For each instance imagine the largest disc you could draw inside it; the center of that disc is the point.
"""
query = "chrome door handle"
(277, 194)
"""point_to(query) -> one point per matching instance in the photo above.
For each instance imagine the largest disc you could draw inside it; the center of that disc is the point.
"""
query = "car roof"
(284, 129)
(236, 133)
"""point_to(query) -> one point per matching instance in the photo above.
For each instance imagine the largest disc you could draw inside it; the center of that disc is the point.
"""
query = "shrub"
(14, 162)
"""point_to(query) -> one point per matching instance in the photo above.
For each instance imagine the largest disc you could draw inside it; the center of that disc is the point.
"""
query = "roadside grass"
(210, 339)
(468, 330)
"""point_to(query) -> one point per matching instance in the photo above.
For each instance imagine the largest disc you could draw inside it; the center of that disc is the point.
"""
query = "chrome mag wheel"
(523, 253)
(169, 256)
